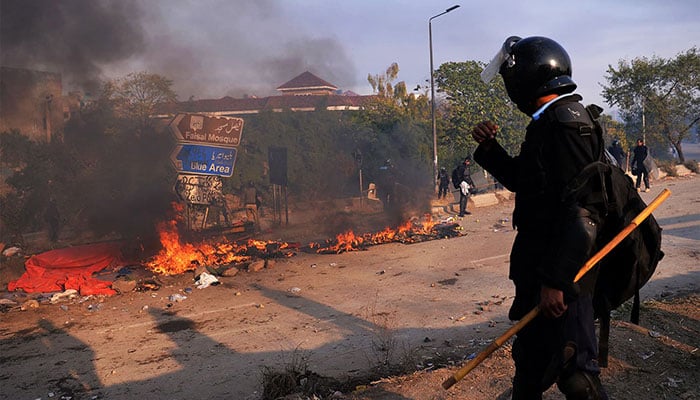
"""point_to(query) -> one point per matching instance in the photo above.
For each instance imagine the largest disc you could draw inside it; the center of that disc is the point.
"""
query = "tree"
(470, 101)
(136, 96)
(660, 95)
(111, 173)
(399, 122)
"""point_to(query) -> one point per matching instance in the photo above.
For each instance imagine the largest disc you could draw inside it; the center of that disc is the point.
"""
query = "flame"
(411, 231)
(177, 257)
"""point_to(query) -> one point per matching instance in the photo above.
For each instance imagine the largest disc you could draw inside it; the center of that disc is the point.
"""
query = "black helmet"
(535, 66)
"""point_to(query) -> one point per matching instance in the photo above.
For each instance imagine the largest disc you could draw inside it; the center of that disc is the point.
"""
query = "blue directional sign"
(204, 160)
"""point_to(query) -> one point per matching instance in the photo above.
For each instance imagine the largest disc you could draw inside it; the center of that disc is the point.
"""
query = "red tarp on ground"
(69, 268)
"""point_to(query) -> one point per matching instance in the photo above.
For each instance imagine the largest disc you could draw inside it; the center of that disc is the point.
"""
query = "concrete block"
(484, 200)
(682, 170)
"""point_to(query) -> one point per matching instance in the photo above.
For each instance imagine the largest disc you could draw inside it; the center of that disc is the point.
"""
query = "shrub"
(692, 165)
(669, 167)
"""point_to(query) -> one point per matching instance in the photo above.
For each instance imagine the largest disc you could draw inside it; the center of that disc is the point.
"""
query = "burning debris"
(177, 257)
(412, 231)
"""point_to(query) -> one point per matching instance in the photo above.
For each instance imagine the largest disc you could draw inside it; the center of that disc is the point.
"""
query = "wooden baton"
(498, 342)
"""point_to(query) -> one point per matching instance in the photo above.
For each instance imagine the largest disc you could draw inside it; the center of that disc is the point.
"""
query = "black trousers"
(643, 175)
(538, 350)
(442, 191)
(463, 203)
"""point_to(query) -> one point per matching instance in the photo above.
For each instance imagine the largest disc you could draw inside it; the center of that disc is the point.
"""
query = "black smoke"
(208, 48)
(75, 38)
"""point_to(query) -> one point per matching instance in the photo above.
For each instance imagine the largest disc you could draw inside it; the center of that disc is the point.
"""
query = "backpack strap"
(579, 189)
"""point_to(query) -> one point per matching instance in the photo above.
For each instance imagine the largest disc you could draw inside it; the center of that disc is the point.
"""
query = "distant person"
(616, 151)
(386, 184)
(444, 183)
(641, 152)
(462, 180)
(252, 201)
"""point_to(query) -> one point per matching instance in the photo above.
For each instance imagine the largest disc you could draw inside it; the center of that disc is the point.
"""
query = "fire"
(177, 257)
(411, 231)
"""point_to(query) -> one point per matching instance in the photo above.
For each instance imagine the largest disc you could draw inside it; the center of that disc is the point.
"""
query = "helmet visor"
(502, 56)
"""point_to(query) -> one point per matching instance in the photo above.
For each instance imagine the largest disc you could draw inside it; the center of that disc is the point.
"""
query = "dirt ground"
(389, 323)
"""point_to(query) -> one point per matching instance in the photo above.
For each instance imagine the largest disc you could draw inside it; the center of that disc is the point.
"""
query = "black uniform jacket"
(556, 148)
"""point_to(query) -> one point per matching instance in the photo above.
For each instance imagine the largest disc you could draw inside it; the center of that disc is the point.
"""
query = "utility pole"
(432, 94)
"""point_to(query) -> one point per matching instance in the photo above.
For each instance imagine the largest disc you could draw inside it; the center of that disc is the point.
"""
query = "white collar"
(541, 110)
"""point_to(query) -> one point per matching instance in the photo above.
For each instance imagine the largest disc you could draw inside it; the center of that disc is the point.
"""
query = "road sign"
(199, 189)
(204, 160)
(224, 131)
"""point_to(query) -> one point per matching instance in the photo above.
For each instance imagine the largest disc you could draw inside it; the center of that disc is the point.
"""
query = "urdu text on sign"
(224, 131)
(204, 160)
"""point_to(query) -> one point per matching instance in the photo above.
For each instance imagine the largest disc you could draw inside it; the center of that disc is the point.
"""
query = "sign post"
(223, 131)
(204, 160)
(205, 152)
(199, 189)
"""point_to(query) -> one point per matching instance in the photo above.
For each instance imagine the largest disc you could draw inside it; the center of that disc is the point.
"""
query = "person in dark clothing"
(443, 183)
(386, 185)
(462, 180)
(640, 154)
(555, 234)
(616, 151)
(251, 200)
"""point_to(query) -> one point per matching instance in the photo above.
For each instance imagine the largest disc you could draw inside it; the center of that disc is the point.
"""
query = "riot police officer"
(554, 237)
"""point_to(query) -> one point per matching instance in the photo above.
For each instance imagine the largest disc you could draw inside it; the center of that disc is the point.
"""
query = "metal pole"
(432, 94)
(644, 125)
(361, 191)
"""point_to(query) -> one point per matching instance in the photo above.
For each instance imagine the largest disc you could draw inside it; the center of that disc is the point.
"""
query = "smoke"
(238, 48)
(209, 48)
(74, 38)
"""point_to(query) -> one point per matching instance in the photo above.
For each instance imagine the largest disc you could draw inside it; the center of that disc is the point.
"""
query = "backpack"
(456, 179)
(623, 271)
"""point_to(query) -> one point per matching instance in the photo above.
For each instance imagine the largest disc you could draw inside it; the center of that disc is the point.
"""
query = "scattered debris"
(177, 297)
(295, 290)
(12, 251)
(124, 285)
(68, 294)
(204, 280)
(148, 284)
(256, 266)
(448, 282)
(31, 303)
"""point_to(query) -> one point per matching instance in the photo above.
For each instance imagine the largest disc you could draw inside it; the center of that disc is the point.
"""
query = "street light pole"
(432, 93)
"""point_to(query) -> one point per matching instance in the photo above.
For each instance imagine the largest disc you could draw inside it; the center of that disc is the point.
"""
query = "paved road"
(333, 312)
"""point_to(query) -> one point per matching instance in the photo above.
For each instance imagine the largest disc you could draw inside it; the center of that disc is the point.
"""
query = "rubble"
(204, 280)
(68, 294)
(12, 251)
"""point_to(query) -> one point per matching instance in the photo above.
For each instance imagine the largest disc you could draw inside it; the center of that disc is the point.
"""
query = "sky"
(216, 48)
